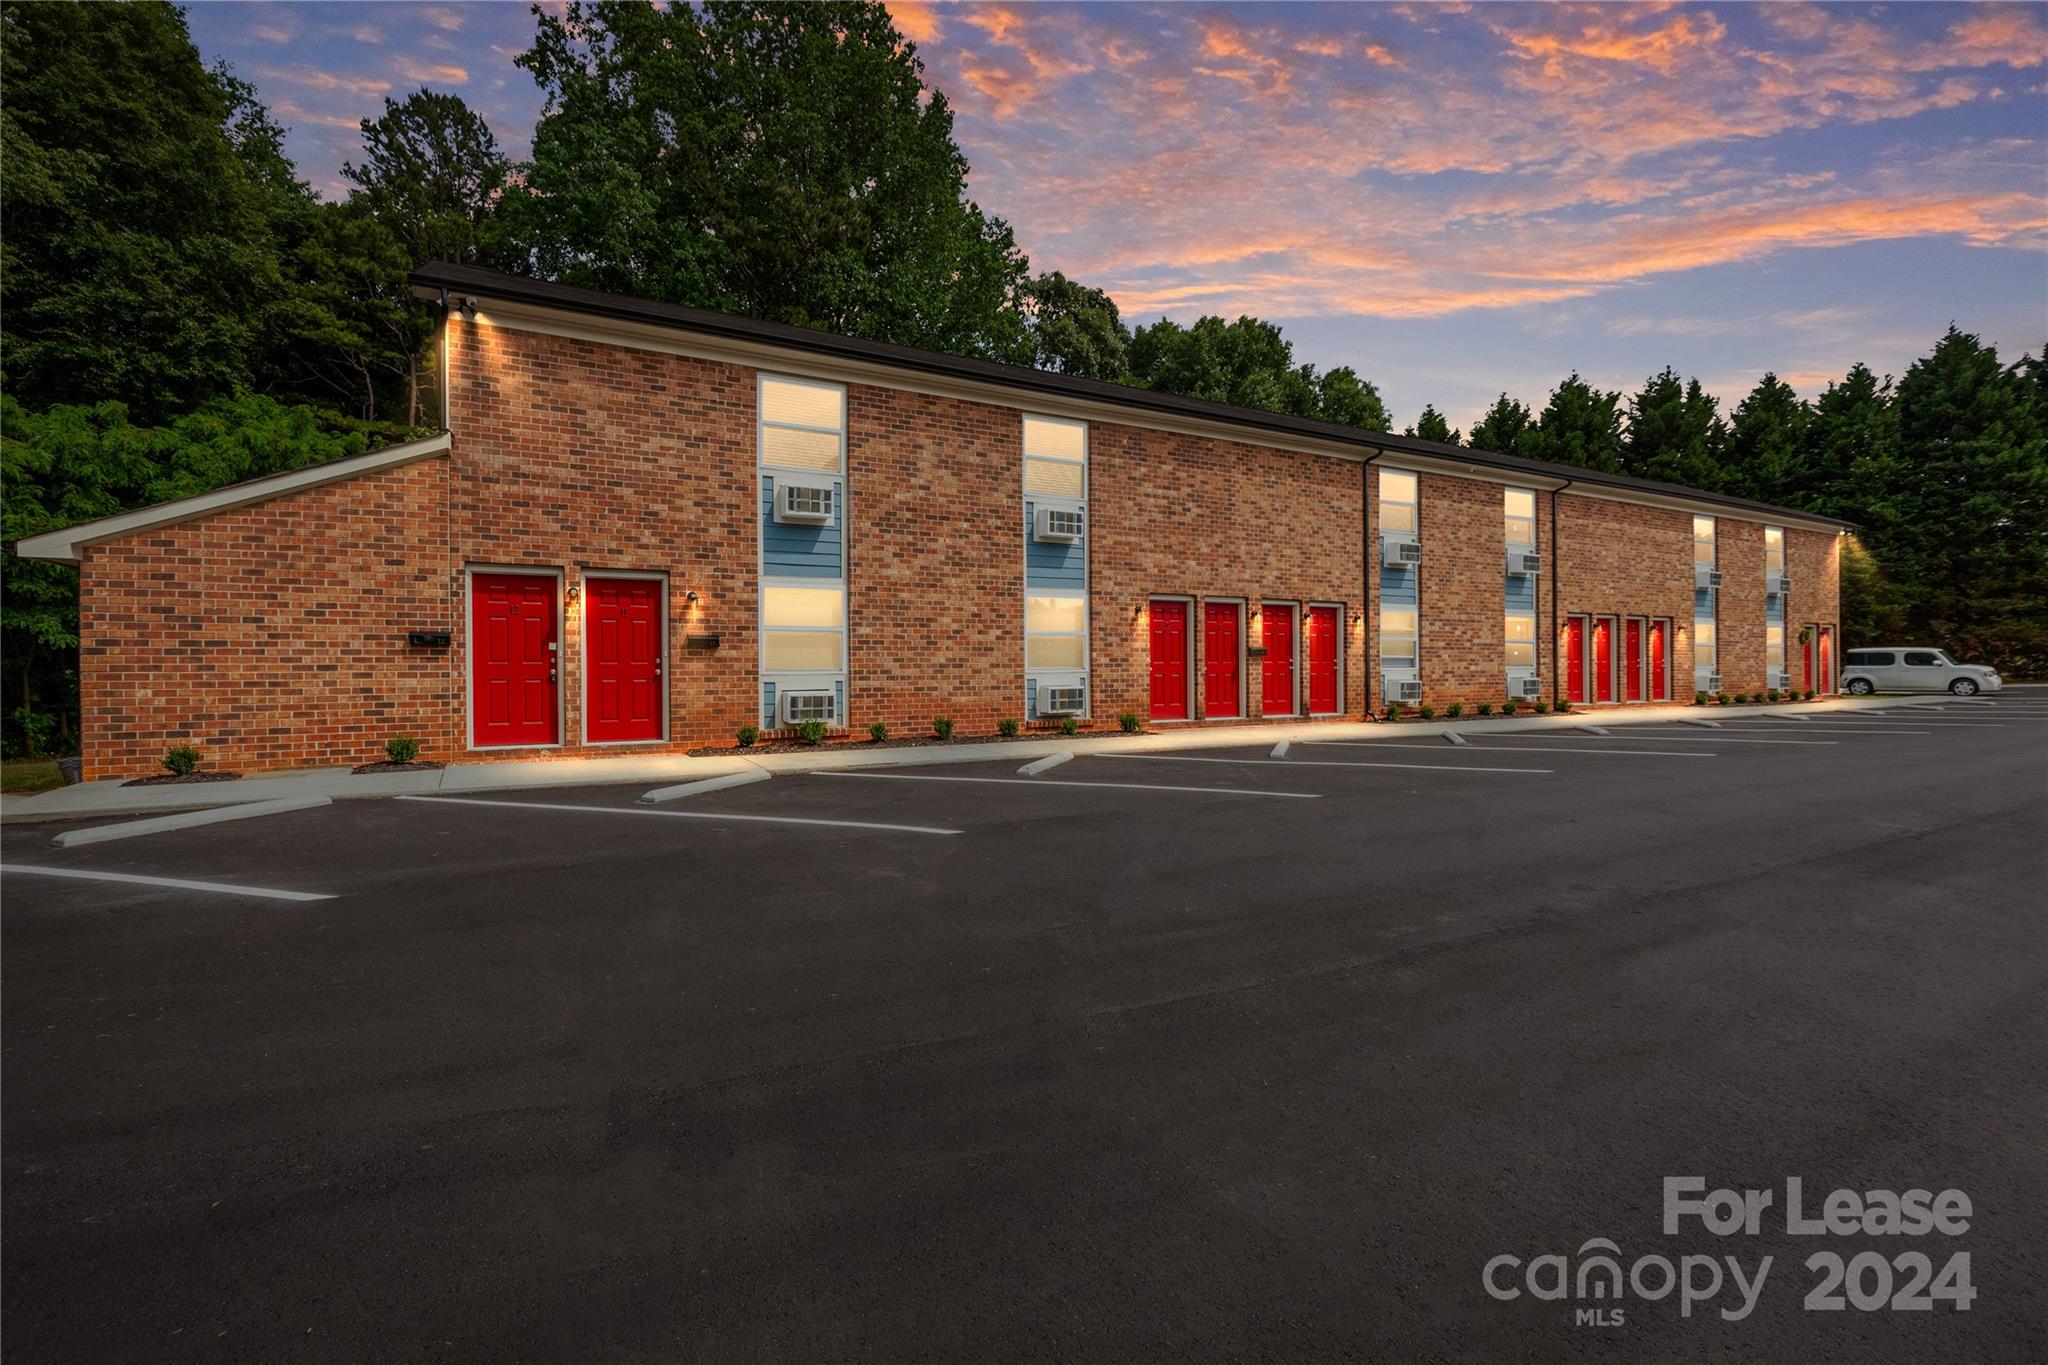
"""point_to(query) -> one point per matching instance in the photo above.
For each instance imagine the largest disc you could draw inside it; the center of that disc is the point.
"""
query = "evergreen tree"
(1675, 433)
(1431, 426)
(1580, 426)
(1503, 429)
(1767, 443)
(432, 174)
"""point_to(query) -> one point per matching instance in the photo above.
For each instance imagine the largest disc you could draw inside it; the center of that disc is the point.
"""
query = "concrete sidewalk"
(110, 797)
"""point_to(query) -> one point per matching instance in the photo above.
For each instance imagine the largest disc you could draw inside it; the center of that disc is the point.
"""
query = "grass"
(30, 775)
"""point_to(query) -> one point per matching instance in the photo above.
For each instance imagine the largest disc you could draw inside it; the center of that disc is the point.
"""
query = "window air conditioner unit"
(1400, 553)
(1525, 689)
(806, 504)
(1063, 701)
(1781, 681)
(1705, 576)
(1061, 526)
(1778, 583)
(798, 707)
(1713, 682)
(1522, 562)
(1403, 689)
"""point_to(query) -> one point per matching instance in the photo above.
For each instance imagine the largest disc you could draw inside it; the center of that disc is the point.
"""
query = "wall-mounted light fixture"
(467, 308)
(690, 597)
(1137, 611)
(574, 592)
(1255, 614)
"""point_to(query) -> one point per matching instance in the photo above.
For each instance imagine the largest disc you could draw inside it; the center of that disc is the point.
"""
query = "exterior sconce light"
(691, 597)
(1255, 613)
(574, 592)
(467, 308)
(1137, 611)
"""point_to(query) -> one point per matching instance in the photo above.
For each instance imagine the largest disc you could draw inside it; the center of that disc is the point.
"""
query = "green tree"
(1431, 426)
(1073, 329)
(1675, 433)
(778, 161)
(432, 173)
(1580, 426)
(138, 259)
(1767, 443)
(1504, 428)
(1342, 397)
(1250, 364)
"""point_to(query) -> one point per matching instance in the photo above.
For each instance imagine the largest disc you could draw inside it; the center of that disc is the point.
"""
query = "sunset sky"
(1453, 199)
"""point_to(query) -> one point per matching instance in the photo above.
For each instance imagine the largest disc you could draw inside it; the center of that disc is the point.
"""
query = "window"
(1704, 656)
(1055, 457)
(1922, 658)
(1774, 651)
(1703, 541)
(1521, 637)
(803, 629)
(803, 424)
(1876, 658)
(1774, 551)
(1518, 509)
(1397, 502)
(1397, 637)
(1055, 632)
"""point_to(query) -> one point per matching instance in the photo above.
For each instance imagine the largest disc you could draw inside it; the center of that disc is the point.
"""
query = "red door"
(1320, 642)
(1603, 658)
(1660, 674)
(1276, 626)
(1827, 673)
(1632, 657)
(1220, 677)
(513, 659)
(1169, 660)
(622, 632)
(1572, 647)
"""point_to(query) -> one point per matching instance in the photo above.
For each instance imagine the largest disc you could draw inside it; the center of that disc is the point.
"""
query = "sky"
(1453, 199)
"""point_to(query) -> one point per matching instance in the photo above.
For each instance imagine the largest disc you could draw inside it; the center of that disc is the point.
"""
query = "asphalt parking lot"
(1203, 1056)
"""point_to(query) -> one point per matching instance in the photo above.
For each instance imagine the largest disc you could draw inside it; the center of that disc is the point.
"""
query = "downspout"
(1556, 679)
(1371, 568)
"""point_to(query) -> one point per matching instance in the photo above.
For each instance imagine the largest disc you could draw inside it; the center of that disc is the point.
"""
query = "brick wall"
(274, 636)
(1812, 559)
(1463, 590)
(1621, 559)
(1739, 554)
(1185, 516)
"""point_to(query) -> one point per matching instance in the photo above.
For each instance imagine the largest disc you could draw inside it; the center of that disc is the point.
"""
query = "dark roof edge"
(626, 308)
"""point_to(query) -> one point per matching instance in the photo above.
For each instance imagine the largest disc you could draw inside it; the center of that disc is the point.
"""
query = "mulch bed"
(385, 765)
(173, 780)
(794, 746)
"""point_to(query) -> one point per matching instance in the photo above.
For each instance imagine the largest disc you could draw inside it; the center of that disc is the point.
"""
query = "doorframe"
(469, 573)
(1243, 622)
(1187, 671)
(1340, 638)
(660, 577)
(1295, 709)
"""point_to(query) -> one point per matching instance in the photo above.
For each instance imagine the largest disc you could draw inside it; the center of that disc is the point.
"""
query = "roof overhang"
(67, 546)
(516, 301)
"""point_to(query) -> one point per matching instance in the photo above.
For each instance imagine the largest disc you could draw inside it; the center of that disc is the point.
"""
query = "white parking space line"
(1604, 753)
(1064, 782)
(1720, 739)
(680, 814)
(1860, 730)
(1917, 720)
(171, 883)
(1328, 763)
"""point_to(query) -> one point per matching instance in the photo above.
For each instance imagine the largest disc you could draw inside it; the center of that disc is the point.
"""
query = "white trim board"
(65, 546)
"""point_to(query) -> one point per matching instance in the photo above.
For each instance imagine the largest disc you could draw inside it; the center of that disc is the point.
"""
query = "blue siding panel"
(1702, 601)
(1049, 565)
(1398, 587)
(790, 551)
(1774, 610)
(1521, 592)
(1031, 699)
(767, 706)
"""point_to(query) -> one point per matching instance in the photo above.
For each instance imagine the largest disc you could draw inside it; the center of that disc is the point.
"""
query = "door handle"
(551, 675)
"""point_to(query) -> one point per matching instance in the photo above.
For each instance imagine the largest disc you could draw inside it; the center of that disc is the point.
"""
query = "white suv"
(1865, 671)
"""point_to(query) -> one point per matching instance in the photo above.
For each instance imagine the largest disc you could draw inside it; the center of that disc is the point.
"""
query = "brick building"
(644, 527)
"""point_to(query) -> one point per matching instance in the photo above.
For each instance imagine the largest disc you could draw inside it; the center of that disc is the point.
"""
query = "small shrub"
(1128, 722)
(182, 759)
(1007, 728)
(811, 732)
(1542, 708)
(401, 748)
(1454, 710)
(1720, 699)
(1809, 694)
(1069, 725)
(1426, 712)
(1756, 699)
(1507, 708)
(1699, 699)
(748, 734)
(942, 726)
(1485, 708)
(1393, 710)
(1564, 704)
(879, 731)
(1772, 694)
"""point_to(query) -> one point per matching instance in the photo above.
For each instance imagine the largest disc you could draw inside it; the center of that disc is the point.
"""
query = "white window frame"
(1774, 652)
(1059, 674)
(1712, 542)
(1063, 502)
(1415, 635)
(1507, 517)
(1515, 669)
(1413, 504)
(583, 629)
(836, 681)
(469, 573)
(1774, 552)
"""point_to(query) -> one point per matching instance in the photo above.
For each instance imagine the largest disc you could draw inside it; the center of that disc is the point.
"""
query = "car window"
(1922, 658)
(1872, 658)
(1949, 658)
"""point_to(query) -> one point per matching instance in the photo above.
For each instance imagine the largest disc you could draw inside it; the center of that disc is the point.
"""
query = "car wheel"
(1963, 687)
(1859, 687)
